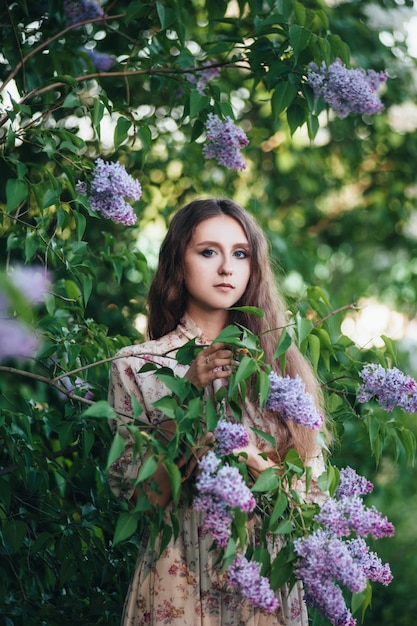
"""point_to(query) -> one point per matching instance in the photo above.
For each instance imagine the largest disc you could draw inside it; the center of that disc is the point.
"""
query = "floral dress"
(183, 586)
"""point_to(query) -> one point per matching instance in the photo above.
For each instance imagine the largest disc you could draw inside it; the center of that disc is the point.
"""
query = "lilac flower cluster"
(101, 61)
(230, 436)
(82, 10)
(109, 186)
(204, 77)
(346, 90)
(325, 559)
(389, 387)
(220, 490)
(224, 140)
(245, 575)
(17, 339)
(289, 397)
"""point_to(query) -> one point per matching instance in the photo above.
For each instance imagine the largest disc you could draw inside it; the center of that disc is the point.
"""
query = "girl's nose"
(226, 267)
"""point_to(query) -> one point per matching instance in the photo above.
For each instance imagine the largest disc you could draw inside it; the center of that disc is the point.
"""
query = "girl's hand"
(211, 363)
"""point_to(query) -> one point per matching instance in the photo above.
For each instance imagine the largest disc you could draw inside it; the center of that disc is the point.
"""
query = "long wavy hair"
(167, 301)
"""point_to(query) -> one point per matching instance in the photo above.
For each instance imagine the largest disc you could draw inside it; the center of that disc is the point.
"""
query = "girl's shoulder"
(154, 347)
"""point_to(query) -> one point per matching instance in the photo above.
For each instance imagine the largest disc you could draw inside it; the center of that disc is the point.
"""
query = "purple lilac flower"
(349, 514)
(230, 436)
(224, 140)
(390, 388)
(217, 518)
(226, 485)
(32, 282)
(101, 61)
(346, 90)
(82, 10)
(370, 563)
(219, 490)
(352, 484)
(16, 340)
(245, 575)
(324, 559)
(289, 397)
(204, 77)
(110, 185)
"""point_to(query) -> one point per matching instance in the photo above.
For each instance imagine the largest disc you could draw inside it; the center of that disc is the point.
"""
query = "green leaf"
(198, 103)
(314, 347)
(71, 101)
(121, 130)
(280, 505)
(295, 117)
(16, 193)
(282, 567)
(14, 533)
(125, 526)
(211, 415)
(252, 310)
(299, 38)
(187, 353)
(283, 344)
(246, 368)
(97, 116)
(304, 328)
(100, 409)
(148, 468)
(116, 449)
(174, 476)
(267, 481)
(282, 97)
(166, 15)
(266, 436)
(167, 405)
(284, 528)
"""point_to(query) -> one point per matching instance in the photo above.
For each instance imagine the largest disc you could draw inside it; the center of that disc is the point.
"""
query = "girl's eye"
(208, 252)
(241, 254)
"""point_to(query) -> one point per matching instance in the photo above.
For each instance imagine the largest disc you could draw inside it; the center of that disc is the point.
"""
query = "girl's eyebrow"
(245, 244)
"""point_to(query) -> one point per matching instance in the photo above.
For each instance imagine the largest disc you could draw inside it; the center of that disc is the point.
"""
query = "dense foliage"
(336, 197)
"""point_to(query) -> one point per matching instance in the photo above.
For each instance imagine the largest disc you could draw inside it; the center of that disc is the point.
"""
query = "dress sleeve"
(123, 385)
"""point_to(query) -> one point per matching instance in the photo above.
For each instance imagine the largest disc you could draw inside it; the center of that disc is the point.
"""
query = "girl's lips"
(225, 286)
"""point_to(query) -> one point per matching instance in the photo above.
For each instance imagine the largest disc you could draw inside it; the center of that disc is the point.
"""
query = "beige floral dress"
(183, 587)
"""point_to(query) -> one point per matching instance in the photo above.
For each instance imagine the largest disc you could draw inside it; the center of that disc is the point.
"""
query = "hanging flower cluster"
(109, 186)
(346, 90)
(224, 142)
(325, 559)
(390, 388)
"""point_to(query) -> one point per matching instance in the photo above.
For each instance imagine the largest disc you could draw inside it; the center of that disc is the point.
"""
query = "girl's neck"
(210, 322)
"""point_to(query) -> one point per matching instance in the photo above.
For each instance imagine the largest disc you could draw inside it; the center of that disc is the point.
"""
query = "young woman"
(214, 257)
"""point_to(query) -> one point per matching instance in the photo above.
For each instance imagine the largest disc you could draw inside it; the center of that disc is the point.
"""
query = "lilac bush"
(109, 186)
(390, 388)
(224, 142)
(346, 90)
(289, 397)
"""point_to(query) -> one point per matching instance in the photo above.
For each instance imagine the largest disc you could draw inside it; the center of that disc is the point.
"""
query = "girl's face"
(216, 265)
